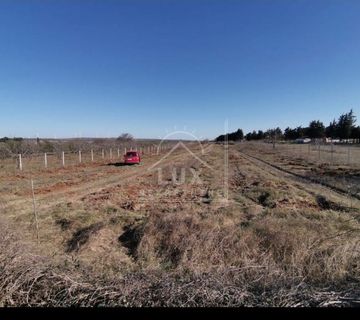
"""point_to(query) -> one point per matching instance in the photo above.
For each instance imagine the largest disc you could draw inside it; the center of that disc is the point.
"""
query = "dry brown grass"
(185, 249)
(268, 248)
(229, 268)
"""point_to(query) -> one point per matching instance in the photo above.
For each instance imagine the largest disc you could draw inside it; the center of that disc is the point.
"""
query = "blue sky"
(101, 68)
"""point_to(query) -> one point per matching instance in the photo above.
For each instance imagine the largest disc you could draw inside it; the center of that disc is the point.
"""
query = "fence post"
(118, 153)
(348, 160)
(45, 160)
(110, 154)
(20, 162)
(103, 154)
(92, 155)
(35, 212)
(319, 152)
(63, 158)
(79, 156)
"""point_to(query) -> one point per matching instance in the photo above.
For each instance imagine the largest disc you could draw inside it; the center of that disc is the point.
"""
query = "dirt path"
(298, 177)
(108, 180)
(271, 228)
(301, 192)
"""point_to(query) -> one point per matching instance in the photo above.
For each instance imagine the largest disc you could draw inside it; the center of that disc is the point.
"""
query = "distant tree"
(47, 146)
(260, 135)
(355, 133)
(344, 128)
(72, 147)
(5, 151)
(252, 135)
(293, 134)
(125, 137)
(15, 145)
(220, 138)
(288, 133)
(234, 136)
(302, 132)
(346, 123)
(316, 129)
(239, 135)
(274, 133)
(331, 130)
(278, 132)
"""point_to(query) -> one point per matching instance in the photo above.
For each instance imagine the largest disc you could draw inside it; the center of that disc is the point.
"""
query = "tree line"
(343, 129)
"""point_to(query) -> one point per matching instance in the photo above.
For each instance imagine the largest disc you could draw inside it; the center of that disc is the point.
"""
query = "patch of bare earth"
(276, 241)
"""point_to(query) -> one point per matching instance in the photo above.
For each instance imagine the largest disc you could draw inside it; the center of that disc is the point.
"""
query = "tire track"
(300, 177)
(83, 190)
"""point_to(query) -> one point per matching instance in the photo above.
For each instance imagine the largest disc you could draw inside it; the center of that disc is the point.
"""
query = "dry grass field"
(288, 233)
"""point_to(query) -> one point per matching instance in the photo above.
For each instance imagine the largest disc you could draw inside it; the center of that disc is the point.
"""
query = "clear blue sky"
(100, 68)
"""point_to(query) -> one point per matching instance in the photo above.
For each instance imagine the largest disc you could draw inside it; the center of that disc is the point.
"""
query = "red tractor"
(132, 157)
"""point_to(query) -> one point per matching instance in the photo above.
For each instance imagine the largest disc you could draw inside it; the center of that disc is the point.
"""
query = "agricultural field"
(243, 224)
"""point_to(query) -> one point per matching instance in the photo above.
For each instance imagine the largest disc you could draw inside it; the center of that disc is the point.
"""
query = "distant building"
(303, 140)
(330, 140)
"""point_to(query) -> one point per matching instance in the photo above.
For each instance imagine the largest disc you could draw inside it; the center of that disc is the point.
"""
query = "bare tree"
(125, 137)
